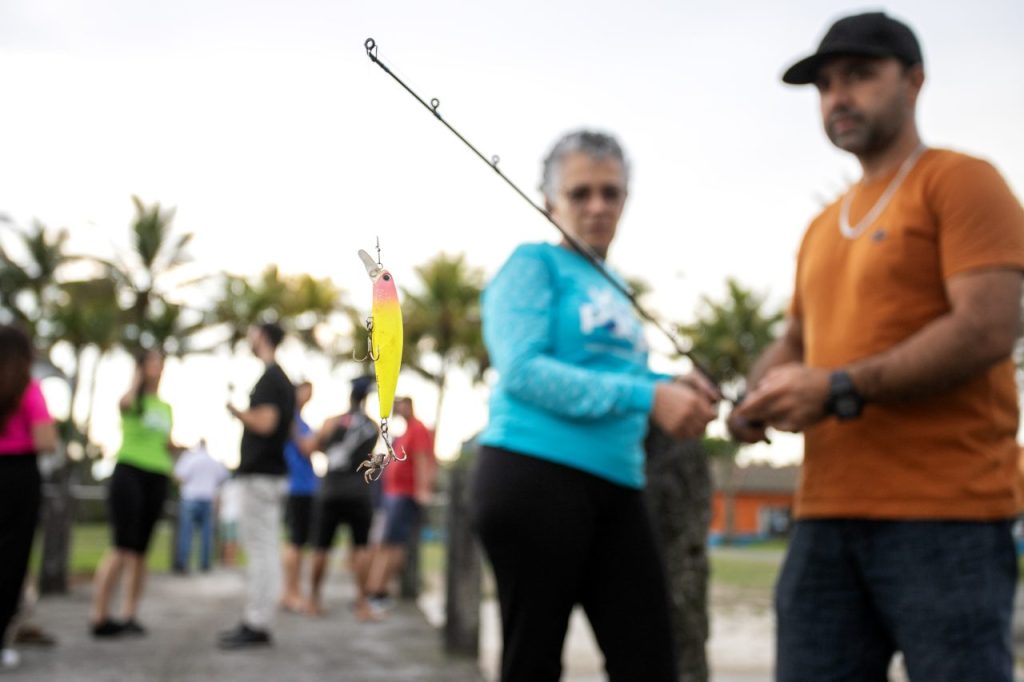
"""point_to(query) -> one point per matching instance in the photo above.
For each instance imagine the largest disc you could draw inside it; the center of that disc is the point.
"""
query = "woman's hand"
(681, 411)
(701, 384)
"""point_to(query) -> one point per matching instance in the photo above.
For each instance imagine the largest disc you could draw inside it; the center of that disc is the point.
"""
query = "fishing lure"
(384, 348)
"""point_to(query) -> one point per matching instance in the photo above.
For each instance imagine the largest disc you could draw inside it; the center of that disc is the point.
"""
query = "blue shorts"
(402, 517)
(853, 592)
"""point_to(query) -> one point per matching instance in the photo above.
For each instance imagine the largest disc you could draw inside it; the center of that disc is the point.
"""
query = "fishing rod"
(578, 246)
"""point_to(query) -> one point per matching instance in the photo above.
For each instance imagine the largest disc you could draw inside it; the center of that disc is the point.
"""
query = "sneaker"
(242, 637)
(106, 628)
(133, 628)
(9, 659)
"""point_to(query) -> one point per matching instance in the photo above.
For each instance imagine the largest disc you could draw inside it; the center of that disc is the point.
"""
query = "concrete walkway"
(183, 615)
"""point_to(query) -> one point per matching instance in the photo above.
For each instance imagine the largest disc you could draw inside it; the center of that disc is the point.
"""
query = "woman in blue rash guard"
(558, 493)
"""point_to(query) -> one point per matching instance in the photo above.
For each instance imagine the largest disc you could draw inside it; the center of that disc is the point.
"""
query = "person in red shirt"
(407, 489)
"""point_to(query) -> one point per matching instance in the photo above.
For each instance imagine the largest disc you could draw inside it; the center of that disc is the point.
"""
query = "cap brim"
(805, 71)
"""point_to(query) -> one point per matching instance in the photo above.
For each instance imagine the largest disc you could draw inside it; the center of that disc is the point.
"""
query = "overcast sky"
(278, 141)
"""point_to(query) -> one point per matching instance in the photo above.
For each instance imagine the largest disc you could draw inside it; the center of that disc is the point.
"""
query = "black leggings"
(557, 537)
(19, 512)
(135, 502)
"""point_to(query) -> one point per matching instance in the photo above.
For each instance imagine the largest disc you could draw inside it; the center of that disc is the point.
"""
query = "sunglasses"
(613, 194)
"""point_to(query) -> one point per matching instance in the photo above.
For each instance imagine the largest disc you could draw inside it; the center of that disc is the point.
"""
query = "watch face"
(847, 406)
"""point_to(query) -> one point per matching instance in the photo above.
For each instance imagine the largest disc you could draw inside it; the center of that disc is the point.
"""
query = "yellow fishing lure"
(384, 347)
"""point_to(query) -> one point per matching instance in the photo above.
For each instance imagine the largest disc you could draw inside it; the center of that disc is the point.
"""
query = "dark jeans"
(195, 514)
(853, 592)
(557, 537)
(402, 518)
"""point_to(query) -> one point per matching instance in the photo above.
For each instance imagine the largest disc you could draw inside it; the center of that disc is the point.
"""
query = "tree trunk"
(441, 385)
(463, 571)
(679, 497)
(74, 383)
(87, 426)
(58, 506)
(57, 515)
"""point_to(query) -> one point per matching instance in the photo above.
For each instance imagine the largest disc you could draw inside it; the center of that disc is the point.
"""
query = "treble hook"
(387, 442)
(370, 355)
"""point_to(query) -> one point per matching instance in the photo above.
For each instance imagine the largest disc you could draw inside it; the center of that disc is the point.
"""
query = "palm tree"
(442, 322)
(32, 294)
(27, 286)
(143, 274)
(308, 305)
(302, 304)
(727, 338)
(730, 334)
(87, 315)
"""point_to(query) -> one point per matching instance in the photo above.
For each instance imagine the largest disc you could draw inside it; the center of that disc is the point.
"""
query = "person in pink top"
(26, 429)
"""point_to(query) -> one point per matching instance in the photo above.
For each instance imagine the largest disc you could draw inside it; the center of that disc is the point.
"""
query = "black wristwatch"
(843, 400)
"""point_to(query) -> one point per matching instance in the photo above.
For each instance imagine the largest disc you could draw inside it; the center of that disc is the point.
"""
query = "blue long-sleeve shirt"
(573, 387)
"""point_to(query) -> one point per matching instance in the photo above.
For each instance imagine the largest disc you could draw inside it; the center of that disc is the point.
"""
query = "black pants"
(557, 537)
(19, 512)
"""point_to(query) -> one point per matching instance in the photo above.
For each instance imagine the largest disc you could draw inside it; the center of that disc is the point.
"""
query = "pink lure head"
(384, 290)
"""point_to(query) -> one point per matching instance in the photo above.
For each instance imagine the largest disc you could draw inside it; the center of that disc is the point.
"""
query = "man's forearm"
(260, 420)
(942, 355)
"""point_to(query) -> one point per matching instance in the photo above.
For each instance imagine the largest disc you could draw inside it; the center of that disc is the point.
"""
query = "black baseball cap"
(361, 386)
(874, 34)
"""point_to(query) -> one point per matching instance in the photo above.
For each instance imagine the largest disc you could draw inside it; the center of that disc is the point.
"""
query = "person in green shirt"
(135, 498)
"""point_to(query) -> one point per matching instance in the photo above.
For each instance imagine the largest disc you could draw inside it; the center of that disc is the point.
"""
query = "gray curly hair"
(594, 144)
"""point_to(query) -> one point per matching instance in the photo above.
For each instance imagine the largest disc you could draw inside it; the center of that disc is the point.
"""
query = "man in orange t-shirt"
(896, 365)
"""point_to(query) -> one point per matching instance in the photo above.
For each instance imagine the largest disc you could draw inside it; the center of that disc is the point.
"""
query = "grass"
(754, 567)
(743, 573)
(90, 540)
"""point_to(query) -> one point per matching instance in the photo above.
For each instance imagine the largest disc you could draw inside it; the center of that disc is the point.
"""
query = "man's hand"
(789, 397)
(744, 430)
(681, 411)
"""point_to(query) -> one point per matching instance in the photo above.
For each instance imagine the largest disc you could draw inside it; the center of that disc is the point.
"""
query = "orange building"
(762, 500)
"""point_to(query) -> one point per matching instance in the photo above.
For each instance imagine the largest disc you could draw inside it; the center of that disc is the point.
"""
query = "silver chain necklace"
(883, 201)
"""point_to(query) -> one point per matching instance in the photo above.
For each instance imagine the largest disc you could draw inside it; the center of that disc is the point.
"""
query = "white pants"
(260, 527)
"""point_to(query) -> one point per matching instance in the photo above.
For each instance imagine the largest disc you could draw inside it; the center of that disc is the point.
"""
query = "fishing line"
(580, 247)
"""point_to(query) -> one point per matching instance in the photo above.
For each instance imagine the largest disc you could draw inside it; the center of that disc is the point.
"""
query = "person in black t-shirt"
(260, 475)
(344, 496)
